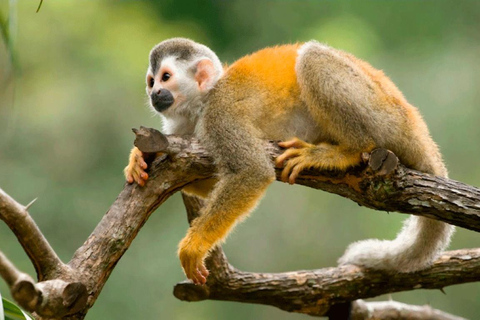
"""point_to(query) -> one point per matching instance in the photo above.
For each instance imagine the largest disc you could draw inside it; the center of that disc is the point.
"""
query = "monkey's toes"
(286, 156)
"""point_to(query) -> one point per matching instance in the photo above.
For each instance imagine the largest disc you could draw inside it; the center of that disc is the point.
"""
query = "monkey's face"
(162, 86)
(175, 85)
(172, 86)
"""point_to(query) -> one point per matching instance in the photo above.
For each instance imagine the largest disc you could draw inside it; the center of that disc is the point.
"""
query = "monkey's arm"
(234, 196)
(245, 171)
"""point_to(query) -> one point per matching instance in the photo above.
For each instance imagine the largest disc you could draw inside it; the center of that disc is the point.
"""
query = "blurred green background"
(78, 88)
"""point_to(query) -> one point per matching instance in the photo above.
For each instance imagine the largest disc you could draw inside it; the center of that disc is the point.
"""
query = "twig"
(39, 6)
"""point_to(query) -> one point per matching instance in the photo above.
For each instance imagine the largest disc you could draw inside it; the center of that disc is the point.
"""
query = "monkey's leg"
(347, 106)
(301, 155)
(135, 170)
(200, 188)
(347, 99)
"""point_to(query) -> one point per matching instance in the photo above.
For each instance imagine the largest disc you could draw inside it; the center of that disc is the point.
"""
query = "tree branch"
(314, 291)
(43, 257)
(380, 183)
(48, 298)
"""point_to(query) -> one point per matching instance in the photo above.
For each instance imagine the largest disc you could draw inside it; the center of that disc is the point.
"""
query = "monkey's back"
(270, 70)
(272, 96)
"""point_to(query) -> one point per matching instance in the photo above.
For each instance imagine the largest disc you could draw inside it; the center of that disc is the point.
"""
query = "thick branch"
(380, 183)
(315, 291)
(44, 259)
(98, 256)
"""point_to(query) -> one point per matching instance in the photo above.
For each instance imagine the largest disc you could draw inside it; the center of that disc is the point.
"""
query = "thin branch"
(392, 310)
(43, 257)
(21, 284)
(9, 272)
(39, 6)
(48, 298)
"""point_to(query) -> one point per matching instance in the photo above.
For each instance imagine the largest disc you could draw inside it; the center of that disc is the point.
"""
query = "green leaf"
(2, 315)
(9, 311)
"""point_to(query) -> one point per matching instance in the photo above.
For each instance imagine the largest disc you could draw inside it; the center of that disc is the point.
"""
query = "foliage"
(9, 311)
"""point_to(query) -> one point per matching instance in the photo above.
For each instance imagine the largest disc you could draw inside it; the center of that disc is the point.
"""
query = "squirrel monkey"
(327, 107)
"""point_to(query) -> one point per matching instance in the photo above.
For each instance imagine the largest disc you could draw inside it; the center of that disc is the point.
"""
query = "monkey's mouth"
(162, 100)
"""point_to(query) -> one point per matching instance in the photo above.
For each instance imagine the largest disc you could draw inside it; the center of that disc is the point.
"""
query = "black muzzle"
(161, 100)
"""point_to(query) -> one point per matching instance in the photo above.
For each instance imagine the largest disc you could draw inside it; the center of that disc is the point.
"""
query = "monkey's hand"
(192, 250)
(135, 171)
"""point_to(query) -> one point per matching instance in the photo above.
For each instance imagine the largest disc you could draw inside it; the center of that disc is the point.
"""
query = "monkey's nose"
(161, 99)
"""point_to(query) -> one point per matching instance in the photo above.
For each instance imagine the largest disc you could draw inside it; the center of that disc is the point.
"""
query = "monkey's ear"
(205, 74)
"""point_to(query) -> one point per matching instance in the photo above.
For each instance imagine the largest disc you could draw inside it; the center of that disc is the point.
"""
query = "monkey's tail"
(417, 245)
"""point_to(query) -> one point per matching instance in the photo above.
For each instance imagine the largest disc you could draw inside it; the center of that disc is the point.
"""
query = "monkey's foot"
(191, 257)
(135, 171)
(298, 156)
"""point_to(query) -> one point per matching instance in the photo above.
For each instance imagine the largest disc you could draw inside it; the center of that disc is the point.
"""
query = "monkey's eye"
(166, 76)
(151, 82)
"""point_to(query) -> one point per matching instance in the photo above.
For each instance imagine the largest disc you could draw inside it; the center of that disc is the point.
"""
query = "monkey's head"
(181, 71)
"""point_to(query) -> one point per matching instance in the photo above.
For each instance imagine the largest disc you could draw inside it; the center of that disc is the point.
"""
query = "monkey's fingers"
(138, 175)
(140, 161)
(135, 171)
(295, 172)
(198, 272)
(294, 143)
(129, 178)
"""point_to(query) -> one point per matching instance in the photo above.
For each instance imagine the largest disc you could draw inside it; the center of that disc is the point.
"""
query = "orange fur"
(274, 69)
